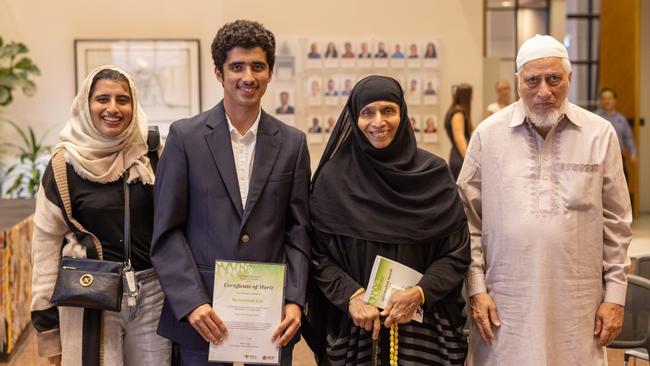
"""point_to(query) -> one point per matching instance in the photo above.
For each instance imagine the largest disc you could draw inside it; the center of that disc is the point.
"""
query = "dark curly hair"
(246, 34)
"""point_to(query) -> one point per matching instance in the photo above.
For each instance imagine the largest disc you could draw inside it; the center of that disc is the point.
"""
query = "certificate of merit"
(249, 298)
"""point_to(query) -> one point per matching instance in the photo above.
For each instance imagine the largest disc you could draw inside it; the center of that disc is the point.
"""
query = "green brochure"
(388, 276)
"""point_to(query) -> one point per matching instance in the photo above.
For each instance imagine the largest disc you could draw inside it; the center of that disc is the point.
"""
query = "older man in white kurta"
(549, 214)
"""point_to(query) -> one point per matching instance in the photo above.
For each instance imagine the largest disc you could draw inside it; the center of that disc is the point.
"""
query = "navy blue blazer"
(199, 216)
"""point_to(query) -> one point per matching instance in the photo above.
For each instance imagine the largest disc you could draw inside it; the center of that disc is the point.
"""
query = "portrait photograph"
(331, 55)
(331, 92)
(314, 54)
(430, 91)
(430, 56)
(380, 54)
(413, 89)
(314, 129)
(430, 129)
(314, 91)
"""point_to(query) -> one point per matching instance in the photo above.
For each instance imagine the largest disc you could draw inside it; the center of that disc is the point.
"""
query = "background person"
(622, 127)
(504, 97)
(459, 126)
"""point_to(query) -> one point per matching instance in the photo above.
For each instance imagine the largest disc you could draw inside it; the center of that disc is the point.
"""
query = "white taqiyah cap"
(540, 46)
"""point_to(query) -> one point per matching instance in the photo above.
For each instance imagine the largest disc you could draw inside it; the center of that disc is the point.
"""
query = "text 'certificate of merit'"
(388, 276)
(248, 297)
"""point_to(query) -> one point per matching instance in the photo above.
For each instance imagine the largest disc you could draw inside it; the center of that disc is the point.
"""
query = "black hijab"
(398, 194)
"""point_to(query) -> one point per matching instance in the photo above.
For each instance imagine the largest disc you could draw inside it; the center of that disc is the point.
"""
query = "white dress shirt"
(243, 151)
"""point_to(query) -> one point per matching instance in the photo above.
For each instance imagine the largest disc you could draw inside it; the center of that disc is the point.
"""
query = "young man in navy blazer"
(232, 184)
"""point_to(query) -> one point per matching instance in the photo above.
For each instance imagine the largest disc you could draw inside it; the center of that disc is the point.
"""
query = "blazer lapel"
(267, 148)
(218, 140)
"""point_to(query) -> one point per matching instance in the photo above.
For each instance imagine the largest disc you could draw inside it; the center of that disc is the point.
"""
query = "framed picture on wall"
(166, 72)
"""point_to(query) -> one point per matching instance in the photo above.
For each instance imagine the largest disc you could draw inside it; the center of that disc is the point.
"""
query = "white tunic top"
(550, 224)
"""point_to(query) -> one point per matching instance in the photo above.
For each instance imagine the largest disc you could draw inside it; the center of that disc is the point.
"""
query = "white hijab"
(103, 159)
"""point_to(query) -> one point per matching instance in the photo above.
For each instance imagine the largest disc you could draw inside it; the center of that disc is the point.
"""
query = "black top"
(99, 207)
(455, 159)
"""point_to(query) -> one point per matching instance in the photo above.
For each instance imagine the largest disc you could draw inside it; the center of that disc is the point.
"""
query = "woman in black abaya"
(375, 193)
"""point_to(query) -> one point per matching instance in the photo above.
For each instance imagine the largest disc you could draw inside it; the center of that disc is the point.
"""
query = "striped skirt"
(434, 342)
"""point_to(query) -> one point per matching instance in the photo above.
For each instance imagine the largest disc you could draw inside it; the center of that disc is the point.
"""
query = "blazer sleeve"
(170, 252)
(297, 246)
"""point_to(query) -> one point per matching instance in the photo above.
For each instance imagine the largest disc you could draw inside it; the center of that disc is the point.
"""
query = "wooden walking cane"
(374, 355)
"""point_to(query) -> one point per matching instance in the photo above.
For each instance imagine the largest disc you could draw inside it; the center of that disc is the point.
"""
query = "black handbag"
(89, 283)
(84, 282)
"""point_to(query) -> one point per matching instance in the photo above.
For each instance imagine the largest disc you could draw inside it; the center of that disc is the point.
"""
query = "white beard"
(548, 120)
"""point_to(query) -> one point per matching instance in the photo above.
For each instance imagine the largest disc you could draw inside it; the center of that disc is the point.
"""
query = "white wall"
(644, 158)
(49, 28)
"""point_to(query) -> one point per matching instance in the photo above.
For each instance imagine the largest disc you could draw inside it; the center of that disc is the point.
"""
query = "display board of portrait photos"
(313, 78)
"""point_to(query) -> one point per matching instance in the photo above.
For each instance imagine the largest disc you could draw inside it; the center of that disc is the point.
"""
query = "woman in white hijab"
(103, 143)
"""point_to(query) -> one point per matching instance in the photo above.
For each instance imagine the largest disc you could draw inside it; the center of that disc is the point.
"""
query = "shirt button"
(245, 238)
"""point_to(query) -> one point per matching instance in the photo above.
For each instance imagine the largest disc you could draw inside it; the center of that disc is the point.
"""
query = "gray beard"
(548, 120)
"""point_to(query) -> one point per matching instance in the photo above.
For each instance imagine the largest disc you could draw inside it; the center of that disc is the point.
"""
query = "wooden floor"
(26, 356)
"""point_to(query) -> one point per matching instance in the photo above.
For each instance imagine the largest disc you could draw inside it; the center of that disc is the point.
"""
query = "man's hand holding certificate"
(249, 298)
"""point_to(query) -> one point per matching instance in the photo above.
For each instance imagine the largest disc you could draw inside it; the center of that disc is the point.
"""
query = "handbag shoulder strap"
(127, 220)
(61, 179)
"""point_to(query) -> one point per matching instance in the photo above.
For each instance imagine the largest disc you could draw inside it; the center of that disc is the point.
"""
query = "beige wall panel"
(49, 28)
